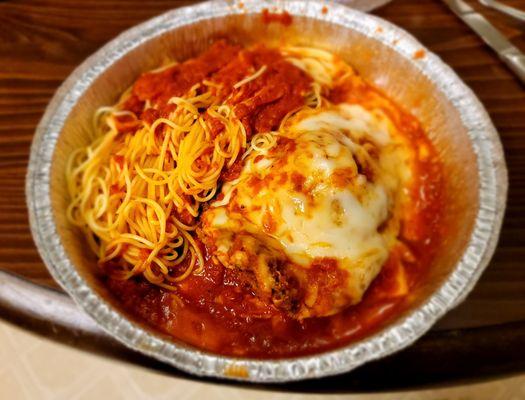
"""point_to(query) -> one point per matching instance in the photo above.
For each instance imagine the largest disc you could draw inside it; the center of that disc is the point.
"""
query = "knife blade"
(506, 51)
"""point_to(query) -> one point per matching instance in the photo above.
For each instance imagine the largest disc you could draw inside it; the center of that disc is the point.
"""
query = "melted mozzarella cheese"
(327, 190)
(351, 118)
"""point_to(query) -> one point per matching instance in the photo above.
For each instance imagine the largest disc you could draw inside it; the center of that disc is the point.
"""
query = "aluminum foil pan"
(384, 54)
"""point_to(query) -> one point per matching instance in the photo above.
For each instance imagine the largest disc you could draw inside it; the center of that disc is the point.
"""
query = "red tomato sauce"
(283, 18)
(216, 310)
(260, 104)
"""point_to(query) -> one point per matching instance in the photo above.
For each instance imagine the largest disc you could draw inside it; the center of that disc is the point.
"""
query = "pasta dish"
(258, 201)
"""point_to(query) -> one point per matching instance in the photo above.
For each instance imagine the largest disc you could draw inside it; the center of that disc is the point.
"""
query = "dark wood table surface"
(42, 41)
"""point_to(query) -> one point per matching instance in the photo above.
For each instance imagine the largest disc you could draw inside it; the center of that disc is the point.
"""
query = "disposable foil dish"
(385, 55)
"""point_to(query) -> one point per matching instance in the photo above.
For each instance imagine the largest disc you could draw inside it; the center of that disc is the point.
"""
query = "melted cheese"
(329, 189)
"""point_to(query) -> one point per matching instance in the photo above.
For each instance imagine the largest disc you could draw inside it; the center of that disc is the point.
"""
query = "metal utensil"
(505, 9)
(506, 51)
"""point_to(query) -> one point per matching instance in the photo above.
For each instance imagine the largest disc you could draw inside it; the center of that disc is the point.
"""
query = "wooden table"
(42, 41)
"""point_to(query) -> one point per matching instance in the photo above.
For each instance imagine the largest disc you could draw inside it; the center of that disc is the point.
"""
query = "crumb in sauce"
(236, 371)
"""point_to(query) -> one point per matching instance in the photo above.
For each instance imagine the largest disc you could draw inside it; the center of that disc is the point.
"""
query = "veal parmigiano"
(329, 189)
